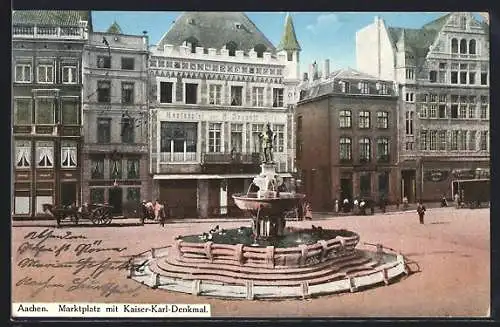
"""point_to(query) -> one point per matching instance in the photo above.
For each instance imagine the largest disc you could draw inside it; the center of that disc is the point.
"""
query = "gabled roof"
(49, 17)
(289, 38)
(215, 30)
(115, 28)
(416, 40)
(349, 73)
(437, 24)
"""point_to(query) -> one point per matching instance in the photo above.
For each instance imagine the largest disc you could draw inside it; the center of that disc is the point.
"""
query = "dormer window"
(231, 47)
(344, 86)
(191, 21)
(260, 49)
(192, 43)
(238, 26)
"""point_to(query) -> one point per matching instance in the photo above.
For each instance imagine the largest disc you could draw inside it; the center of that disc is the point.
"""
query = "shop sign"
(437, 175)
(464, 173)
(44, 129)
(22, 129)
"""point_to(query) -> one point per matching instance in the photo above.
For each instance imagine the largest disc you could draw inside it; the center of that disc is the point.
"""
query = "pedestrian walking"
(163, 214)
(444, 203)
(336, 206)
(457, 200)
(421, 211)
(405, 203)
(307, 211)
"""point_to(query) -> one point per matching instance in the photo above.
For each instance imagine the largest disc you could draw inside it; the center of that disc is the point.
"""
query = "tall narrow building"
(47, 52)
(216, 82)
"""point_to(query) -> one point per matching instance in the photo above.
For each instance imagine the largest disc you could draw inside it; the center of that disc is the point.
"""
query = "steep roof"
(416, 40)
(114, 28)
(437, 24)
(349, 73)
(49, 17)
(215, 30)
(289, 38)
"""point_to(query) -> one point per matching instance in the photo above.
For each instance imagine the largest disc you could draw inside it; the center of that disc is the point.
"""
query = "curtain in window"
(23, 156)
(97, 169)
(69, 157)
(45, 156)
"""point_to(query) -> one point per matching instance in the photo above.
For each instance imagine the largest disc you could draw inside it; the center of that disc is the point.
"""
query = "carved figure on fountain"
(267, 139)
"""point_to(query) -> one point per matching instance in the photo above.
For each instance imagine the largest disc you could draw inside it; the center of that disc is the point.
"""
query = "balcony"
(41, 32)
(230, 158)
(105, 148)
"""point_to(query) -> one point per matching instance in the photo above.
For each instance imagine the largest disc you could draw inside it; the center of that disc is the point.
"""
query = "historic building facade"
(443, 75)
(347, 137)
(212, 94)
(115, 116)
(46, 81)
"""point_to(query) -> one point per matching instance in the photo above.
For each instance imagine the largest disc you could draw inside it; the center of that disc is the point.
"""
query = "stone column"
(202, 198)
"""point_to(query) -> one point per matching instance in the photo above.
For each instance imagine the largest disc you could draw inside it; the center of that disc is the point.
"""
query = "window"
(463, 111)
(277, 97)
(409, 96)
(454, 141)
(45, 74)
(231, 47)
(256, 130)
(382, 119)
(364, 119)
(22, 112)
(345, 87)
(433, 140)
(472, 140)
(383, 88)
(166, 92)
(383, 149)
(454, 46)
(104, 91)
(103, 62)
(364, 149)
(409, 122)
(69, 75)
(103, 130)
(134, 195)
(484, 107)
(214, 137)
(128, 63)
(454, 77)
(483, 142)
(44, 154)
(97, 166)
(345, 149)
(442, 76)
(463, 77)
(258, 97)
(462, 141)
(191, 93)
(237, 137)
(279, 131)
(484, 78)
(45, 111)
(472, 78)
(127, 93)
(214, 94)
(133, 168)
(442, 140)
(442, 65)
(68, 155)
(345, 119)
(423, 111)
(454, 111)
(442, 111)
(463, 46)
(424, 142)
(192, 43)
(260, 49)
(433, 76)
(23, 73)
(442, 98)
(472, 47)
(179, 141)
(236, 95)
(23, 154)
(96, 195)
(364, 88)
(410, 73)
(433, 111)
(69, 112)
(409, 146)
(365, 184)
(127, 129)
(115, 169)
(289, 55)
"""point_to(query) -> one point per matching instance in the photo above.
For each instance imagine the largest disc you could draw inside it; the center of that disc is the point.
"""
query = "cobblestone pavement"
(452, 250)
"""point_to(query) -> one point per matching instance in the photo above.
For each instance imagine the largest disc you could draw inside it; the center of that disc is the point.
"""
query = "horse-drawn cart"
(98, 214)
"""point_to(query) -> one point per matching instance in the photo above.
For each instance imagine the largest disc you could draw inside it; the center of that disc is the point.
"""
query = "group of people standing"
(154, 211)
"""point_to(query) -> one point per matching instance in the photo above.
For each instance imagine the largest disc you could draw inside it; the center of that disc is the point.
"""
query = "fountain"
(268, 260)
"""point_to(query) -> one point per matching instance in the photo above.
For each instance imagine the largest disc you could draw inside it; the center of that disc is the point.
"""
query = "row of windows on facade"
(463, 47)
(216, 95)
(217, 67)
(364, 119)
(445, 98)
(365, 149)
(183, 137)
(127, 63)
(347, 87)
(44, 155)
(454, 111)
(44, 111)
(455, 140)
(127, 128)
(133, 194)
(127, 92)
(460, 73)
(115, 168)
(46, 74)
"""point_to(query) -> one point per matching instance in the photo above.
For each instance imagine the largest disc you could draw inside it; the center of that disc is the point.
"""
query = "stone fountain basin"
(272, 205)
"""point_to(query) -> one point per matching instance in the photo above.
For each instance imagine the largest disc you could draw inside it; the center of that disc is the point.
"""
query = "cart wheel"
(107, 218)
(97, 217)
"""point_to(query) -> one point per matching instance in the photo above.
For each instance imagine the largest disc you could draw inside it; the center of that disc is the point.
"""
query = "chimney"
(326, 68)
(305, 78)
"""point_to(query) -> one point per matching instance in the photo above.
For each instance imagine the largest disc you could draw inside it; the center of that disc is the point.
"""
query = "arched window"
(383, 149)
(260, 49)
(193, 43)
(454, 46)
(364, 149)
(231, 47)
(463, 46)
(472, 47)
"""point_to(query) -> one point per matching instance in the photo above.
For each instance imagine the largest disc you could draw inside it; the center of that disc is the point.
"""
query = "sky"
(322, 35)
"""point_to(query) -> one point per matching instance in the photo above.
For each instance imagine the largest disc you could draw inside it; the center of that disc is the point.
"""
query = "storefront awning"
(208, 176)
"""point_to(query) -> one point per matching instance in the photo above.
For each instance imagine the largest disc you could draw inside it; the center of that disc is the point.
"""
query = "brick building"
(47, 59)
(443, 74)
(346, 137)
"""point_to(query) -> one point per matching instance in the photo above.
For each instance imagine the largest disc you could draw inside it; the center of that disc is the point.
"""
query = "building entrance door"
(408, 187)
(115, 199)
(68, 193)
(346, 188)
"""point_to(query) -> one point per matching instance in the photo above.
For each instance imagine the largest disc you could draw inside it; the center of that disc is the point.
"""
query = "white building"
(443, 74)
(216, 82)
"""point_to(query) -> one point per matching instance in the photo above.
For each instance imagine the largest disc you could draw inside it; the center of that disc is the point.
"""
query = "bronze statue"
(267, 138)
